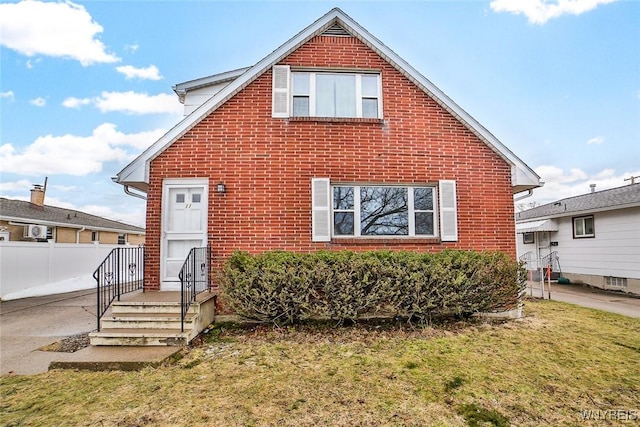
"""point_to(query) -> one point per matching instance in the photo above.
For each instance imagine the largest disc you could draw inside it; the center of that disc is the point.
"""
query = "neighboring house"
(332, 141)
(595, 236)
(35, 221)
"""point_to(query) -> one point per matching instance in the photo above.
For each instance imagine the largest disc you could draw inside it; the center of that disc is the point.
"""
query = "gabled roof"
(615, 198)
(228, 76)
(136, 174)
(25, 212)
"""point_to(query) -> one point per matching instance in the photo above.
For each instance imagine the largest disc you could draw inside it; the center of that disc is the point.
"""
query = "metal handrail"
(552, 260)
(194, 278)
(121, 272)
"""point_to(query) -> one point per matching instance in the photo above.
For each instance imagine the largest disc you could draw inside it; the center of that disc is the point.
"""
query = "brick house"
(332, 141)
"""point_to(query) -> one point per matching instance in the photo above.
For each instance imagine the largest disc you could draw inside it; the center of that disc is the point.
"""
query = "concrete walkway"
(585, 296)
(31, 323)
(28, 324)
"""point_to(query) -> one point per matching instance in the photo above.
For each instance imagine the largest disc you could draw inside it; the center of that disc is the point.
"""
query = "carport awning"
(543, 225)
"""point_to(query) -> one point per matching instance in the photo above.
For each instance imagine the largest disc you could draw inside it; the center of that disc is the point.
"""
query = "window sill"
(336, 120)
(386, 241)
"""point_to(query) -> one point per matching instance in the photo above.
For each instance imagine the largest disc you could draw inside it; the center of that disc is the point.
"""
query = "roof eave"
(27, 221)
(579, 212)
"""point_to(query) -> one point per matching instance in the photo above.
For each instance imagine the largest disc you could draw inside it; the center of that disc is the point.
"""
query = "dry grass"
(545, 369)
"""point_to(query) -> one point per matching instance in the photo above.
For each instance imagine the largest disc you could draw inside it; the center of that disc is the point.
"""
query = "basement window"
(615, 282)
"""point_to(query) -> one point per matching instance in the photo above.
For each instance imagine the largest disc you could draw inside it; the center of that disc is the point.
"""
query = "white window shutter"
(321, 209)
(280, 91)
(448, 211)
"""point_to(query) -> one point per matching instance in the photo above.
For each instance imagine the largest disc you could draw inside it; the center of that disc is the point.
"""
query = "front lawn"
(560, 365)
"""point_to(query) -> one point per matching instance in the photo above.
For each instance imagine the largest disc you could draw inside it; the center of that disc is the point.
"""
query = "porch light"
(222, 188)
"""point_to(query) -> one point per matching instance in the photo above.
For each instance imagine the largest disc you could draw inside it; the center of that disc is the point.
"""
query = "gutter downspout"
(529, 194)
(131, 193)
(78, 234)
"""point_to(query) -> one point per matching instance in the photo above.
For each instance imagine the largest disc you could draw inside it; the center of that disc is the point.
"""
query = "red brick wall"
(267, 165)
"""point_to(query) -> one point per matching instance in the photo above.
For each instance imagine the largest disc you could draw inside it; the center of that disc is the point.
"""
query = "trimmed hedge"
(286, 287)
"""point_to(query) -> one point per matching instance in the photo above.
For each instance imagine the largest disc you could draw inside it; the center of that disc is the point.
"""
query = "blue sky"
(86, 86)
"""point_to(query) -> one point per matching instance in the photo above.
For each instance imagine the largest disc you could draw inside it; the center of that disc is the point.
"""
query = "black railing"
(121, 272)
(194, 278)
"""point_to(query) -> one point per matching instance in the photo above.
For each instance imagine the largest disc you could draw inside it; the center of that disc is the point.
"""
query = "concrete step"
(147, 321)
(140, 322)
(128, 307)
(140, 337)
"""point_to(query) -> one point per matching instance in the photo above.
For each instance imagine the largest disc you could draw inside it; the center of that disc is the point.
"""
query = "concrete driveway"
(30, 323)
(585, 296)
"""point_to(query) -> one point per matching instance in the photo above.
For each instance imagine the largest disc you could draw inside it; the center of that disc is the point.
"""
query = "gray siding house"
(593, 238)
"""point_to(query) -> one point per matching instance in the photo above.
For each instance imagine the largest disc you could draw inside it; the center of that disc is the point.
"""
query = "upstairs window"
(326, 94)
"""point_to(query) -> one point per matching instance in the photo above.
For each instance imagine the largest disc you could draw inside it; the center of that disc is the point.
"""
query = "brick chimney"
(37, 195)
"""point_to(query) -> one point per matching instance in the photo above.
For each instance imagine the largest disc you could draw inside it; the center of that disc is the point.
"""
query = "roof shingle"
(19, 210)
(626, 196)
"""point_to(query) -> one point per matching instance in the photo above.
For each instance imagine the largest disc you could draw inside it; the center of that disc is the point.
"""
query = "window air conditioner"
(35, 231)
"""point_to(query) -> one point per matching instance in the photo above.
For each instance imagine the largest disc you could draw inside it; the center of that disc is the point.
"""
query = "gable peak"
(336, 29)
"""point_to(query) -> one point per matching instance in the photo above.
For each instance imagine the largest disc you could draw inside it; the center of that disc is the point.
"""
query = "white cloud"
(22, 186)
(138, 103)
(64, 30)
(75, 155)
(596, 140)
(540, 11)
(133, 48)
(131, 72)
(560, 184)
(72, 102)
(137, 217)
(8, 95)
(38, 102)
(130, 103)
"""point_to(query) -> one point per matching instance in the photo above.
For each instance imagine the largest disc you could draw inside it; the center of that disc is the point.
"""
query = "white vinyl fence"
(35, 268)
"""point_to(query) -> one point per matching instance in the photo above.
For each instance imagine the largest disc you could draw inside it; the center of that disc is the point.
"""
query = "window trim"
(585, 235)
(312, 93)
(411, 211)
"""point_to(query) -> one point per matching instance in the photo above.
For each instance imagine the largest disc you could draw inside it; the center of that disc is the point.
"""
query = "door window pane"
(180, 198)
(195, 198)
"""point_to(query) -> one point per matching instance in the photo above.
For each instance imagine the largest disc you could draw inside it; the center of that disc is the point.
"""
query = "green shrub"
(285, 287)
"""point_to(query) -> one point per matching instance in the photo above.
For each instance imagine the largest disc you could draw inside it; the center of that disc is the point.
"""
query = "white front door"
(184, 225)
